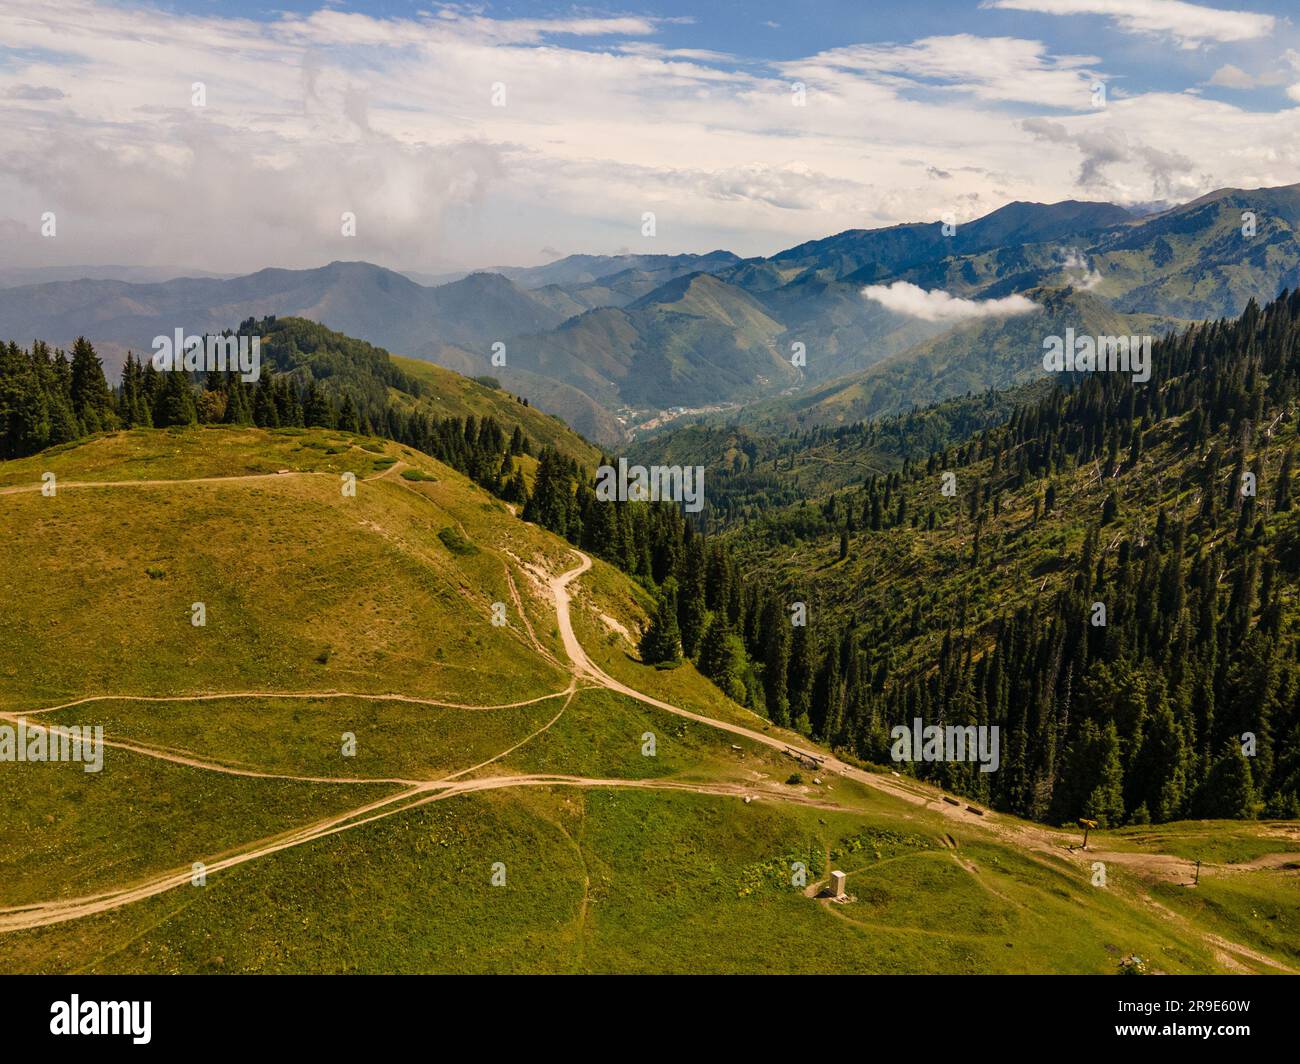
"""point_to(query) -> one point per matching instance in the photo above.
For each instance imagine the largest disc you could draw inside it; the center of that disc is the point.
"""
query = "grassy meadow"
(320, 607)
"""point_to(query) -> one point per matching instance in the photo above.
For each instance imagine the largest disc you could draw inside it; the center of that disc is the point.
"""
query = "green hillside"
(692, 340)
(345, 364)
(992, 354)
(1107, 573)
(481, 750)
(449, 394)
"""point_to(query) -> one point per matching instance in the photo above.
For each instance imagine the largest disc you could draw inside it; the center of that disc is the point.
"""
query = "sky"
(232, 136)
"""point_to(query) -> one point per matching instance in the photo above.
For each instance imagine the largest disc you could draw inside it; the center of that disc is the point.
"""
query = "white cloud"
(703, 55)
(310, 115)
(1188, 24)
(988, 68)
(34, 92)
(1232, 77)
(1078, 270)
(937, 305)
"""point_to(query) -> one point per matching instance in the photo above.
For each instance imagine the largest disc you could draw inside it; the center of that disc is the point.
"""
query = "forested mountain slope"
(1108, 575)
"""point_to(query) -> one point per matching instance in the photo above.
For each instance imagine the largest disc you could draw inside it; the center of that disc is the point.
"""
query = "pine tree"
(349, 420)
(1106, 802)
(661, 643)
(92, 400)
(799, 673)
(1228, 791)
(776, 659)
(1282, 495)
(691, 610)
(722, 658)
(548, 505)
(175, 405)
(24, 403)
(1109, 508)
(318, 411)
(1160, 767)
(265, 413)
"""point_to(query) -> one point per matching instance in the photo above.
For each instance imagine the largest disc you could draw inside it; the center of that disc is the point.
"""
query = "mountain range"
(608, 342)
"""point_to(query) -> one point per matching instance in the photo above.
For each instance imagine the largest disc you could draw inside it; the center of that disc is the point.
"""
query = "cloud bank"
(397, 120)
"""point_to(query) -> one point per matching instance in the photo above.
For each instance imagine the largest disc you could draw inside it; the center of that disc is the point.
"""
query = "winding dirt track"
(41, 914)
(214, 696)
(416, 793)
(911, 791)
(68, 485)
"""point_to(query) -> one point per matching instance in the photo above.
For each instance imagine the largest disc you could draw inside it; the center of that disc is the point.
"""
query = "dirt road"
(42, 914)
(416, 793)
(910, 791)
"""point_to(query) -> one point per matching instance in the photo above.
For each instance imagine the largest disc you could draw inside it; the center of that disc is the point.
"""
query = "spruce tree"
(1106, 802)
(175, 405)
(1228, 791)
(317, 411)
(799, 672)
(776, 660)
(92, 400)
(349, 420)
(691, 610)
(722, 657)
(661, 643)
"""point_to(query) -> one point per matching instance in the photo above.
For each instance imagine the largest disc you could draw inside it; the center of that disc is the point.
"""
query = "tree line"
(1147, 717)
(47, 398)
(1185, 702)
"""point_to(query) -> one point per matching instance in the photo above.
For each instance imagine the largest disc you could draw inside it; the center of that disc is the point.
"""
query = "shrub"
(455, 542)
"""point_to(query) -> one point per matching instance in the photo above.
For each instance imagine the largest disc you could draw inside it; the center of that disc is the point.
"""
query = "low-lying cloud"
(1078, 270)
(937, 305)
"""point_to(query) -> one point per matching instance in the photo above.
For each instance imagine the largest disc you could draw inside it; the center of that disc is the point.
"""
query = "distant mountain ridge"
(590, 336)
(14, 276)
(991, 354)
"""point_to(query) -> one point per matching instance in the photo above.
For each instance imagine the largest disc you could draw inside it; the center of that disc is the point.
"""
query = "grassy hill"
(481, 750)
(451, 394)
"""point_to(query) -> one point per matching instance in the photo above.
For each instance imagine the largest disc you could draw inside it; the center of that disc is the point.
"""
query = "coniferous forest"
(1155, 672)
(1184, 701)
(490, 489)
(310, 378)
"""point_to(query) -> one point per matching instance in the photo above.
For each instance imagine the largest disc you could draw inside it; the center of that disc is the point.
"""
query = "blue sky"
(479, 135)
(768, 30)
